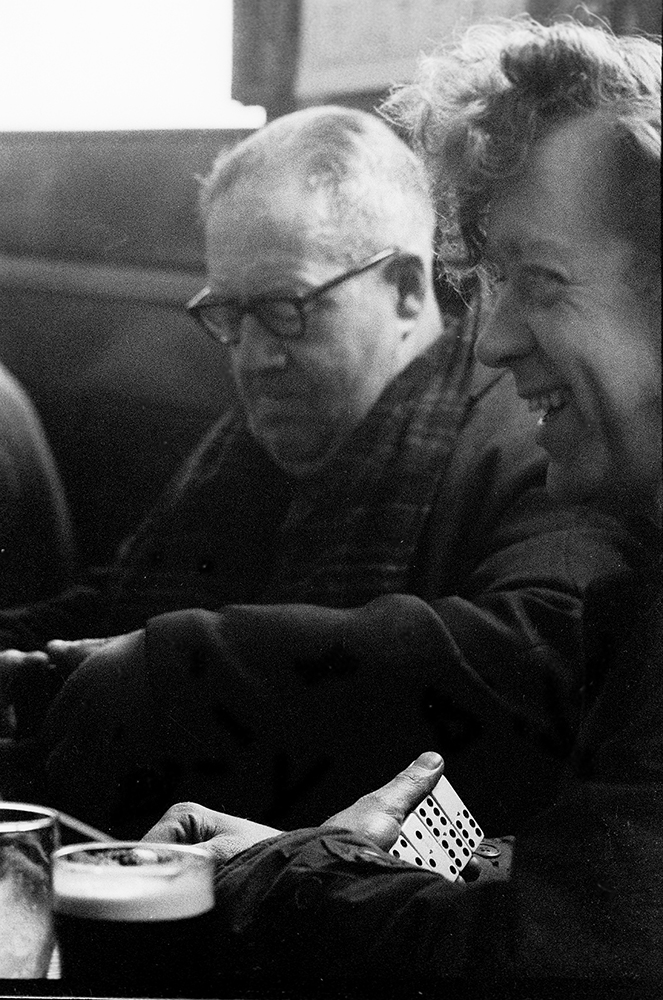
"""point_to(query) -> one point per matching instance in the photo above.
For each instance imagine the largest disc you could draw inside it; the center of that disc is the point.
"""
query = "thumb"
(404, 792)
(380, 814)
(69, 654)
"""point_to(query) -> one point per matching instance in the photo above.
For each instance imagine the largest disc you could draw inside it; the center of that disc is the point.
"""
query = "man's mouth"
(548, 404)
(273, 390)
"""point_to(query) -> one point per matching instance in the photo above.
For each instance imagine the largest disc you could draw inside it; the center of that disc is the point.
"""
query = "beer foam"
(164, 891)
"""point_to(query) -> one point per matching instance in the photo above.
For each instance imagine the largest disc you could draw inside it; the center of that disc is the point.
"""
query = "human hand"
(381, 814)
(69, 654)
(222, 835)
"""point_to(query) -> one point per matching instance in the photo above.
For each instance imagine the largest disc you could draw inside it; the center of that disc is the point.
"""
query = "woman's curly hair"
(480, 105)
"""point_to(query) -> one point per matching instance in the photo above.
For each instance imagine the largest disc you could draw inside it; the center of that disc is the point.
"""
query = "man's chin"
(300, 466)
(299, 454)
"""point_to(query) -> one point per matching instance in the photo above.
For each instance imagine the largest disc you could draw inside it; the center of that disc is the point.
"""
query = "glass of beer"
(28, 836)
(133, 914)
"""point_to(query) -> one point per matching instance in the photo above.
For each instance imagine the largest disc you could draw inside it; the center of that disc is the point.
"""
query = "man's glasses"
(283, 316)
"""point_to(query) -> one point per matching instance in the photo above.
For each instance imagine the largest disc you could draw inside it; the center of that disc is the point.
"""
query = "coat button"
(487, 849)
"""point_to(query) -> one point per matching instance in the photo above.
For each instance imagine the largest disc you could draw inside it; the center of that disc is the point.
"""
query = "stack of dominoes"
(440, 835)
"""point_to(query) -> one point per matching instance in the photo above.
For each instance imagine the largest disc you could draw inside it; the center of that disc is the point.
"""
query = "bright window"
(118, 64)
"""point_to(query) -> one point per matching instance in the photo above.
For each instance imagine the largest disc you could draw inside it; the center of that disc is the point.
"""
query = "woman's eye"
(540, 288)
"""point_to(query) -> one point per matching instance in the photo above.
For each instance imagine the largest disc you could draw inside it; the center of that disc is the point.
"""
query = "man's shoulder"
(17, 412)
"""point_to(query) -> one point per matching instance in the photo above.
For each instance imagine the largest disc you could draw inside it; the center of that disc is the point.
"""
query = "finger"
(404, 792)
(471, 871)
(72, 645)
(175, 826)
(72, 653)
(227, 845)
(164, 832)
(12, 658)
(186, 823)
(380, 814)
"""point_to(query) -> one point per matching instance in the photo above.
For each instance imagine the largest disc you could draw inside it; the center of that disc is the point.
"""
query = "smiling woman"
(562, 310)
(549, 180)
(118, 65)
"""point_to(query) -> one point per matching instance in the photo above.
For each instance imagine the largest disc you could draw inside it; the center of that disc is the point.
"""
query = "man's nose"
(258, 348)
(504, 334)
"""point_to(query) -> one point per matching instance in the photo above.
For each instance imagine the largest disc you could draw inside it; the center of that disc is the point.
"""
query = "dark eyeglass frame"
(231, 334)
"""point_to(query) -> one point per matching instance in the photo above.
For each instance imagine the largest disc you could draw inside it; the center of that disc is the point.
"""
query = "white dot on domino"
(446, 799)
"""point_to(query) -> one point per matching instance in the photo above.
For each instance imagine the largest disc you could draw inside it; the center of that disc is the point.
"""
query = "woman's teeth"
(548, 403)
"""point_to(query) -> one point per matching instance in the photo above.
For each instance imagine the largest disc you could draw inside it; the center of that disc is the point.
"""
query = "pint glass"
(133, 914)
(28, 836)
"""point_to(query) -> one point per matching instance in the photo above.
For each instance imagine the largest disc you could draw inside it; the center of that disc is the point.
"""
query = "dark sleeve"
(584, 902)
(489, 656)
(510, 642)
(585, 898)
(329, 908)
(248, 676)
(508, 569)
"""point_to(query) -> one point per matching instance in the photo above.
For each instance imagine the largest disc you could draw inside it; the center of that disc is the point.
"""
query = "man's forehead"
(268, 191)
(271, 209)
(260, 244)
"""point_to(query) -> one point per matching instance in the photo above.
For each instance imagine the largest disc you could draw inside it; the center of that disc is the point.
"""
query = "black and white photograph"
(331, 605)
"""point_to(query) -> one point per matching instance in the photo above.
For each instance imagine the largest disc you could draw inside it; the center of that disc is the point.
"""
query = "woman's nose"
(504, 334)
(258, 348)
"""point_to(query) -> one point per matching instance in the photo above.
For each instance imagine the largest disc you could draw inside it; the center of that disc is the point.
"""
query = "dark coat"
(585, 899)
(287, 711)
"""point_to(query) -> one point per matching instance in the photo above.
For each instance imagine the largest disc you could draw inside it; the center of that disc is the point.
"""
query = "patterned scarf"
(351, 533)
(235, 529)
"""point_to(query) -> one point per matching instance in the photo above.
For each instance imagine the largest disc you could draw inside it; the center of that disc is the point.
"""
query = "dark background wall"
(100, 246)
(270, 43)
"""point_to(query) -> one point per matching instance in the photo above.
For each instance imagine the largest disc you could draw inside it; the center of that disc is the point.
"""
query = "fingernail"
(430, 760)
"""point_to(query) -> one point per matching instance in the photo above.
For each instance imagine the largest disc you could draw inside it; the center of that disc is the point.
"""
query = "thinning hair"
(482, 103)
(366, 185)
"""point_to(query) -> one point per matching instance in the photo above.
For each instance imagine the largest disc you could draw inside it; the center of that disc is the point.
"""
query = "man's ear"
(408, 275)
